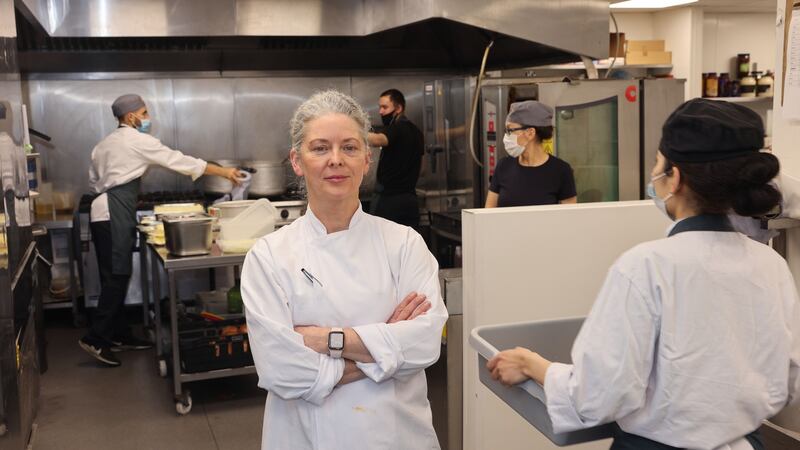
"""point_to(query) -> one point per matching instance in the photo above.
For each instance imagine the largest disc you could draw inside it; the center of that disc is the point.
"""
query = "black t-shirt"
(519, 185)
(398, 168)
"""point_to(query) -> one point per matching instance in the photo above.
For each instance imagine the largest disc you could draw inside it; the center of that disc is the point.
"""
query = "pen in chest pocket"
(311, 278)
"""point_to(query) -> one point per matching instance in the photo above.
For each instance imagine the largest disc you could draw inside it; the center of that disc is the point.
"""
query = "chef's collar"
(318, 228)
(702, 222)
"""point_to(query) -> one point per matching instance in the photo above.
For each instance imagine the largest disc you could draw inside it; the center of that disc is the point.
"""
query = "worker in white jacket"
(118, 163)
(693, 340)
(343, 308)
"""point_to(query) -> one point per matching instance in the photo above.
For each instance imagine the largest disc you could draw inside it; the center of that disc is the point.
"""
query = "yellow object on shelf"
(178, 208)
(647, 53)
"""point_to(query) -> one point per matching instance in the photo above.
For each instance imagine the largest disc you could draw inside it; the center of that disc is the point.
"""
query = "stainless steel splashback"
(245, 117)
(575, 26)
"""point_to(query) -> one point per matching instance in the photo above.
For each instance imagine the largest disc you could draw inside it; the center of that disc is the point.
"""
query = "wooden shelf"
(741, 99)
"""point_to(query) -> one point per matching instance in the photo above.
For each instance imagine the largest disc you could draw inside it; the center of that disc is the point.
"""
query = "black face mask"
(388, 119)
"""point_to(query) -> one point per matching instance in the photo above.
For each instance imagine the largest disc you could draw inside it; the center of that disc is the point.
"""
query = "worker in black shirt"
(400, 161)
(529, 175)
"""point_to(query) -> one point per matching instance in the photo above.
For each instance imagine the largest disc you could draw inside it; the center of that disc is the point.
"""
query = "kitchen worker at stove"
(692, 341)
(343, 308)
(529, 175)
(118, 163)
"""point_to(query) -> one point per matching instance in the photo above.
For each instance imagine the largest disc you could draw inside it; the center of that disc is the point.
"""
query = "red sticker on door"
(630, 93)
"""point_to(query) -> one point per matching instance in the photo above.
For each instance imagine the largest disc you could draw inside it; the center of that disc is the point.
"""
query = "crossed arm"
(316, 338)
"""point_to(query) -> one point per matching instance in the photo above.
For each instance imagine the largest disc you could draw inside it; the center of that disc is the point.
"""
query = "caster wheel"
(162, 368)
(3, 429)
(183, 407)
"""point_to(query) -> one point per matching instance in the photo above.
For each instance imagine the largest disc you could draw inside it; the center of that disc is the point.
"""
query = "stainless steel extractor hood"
(419, 33)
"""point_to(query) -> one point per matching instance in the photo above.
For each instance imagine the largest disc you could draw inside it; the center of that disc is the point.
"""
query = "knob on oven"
(284, 214)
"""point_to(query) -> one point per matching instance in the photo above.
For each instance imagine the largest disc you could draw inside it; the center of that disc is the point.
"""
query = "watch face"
(336, 340)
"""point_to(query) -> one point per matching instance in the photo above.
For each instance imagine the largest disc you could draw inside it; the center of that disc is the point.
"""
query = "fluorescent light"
(650, 4)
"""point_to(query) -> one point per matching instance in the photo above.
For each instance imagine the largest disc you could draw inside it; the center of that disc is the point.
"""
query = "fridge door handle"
(447, 145)
(433, 152)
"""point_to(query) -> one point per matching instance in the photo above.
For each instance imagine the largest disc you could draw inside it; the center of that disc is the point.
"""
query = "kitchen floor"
(84, 406)
(88, 407)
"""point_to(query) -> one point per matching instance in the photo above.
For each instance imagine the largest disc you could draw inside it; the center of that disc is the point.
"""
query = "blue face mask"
(144, 126)
(661, 203)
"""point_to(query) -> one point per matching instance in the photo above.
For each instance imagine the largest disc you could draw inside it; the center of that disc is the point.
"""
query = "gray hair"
(323, 103)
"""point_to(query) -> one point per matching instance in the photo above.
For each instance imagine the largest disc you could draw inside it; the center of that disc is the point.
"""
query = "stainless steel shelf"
(763, 98)
(214, 374)
(217, 258)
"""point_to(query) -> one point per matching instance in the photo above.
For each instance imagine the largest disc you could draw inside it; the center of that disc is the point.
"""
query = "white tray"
(553, 340)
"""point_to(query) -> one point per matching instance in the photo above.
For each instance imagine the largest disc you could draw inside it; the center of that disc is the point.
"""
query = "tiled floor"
(88, 407)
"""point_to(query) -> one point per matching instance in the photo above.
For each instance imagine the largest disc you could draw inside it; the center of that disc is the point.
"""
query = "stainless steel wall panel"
(204, 125)
(264, 107)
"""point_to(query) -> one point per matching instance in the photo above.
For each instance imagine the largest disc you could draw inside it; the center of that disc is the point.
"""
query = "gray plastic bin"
(550, 338)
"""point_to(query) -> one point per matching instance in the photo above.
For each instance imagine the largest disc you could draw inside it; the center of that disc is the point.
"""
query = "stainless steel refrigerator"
(607, 130)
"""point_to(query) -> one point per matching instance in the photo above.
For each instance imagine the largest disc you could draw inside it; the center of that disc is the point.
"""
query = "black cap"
(703, 130)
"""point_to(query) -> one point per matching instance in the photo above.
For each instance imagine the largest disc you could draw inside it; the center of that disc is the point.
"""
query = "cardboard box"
(612, 45)
(646, 46)
(648, 58)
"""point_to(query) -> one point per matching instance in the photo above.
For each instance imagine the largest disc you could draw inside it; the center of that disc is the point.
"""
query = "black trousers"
(399, 208)
(627, 441)
(109, 318)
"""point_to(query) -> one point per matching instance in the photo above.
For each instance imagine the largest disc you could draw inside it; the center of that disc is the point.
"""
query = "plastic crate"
(204, 345)
(553, 340)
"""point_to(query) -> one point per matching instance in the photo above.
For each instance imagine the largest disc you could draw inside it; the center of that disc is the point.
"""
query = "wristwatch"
(335, 342)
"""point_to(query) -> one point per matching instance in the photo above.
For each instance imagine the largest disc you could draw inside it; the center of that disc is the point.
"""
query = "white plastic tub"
(553, 340)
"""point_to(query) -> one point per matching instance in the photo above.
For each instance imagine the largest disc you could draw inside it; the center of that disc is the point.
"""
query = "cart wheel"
(3, 429)
(162, 368)
(184, 406)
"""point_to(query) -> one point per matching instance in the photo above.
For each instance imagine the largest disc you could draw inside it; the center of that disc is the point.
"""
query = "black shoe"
(99, 351)
(121, 344)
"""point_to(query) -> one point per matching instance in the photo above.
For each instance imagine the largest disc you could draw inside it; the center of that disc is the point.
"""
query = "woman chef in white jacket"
(693, 339)
(118, 162)
(343, 308)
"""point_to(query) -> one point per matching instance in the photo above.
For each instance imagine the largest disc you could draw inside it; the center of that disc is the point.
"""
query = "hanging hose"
(616, 50)
(474, 109)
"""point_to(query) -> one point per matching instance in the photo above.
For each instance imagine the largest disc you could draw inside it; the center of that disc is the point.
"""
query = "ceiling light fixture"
(650, 4)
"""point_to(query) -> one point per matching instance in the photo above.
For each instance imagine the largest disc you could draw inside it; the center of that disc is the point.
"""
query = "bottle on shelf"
(703, 85)
(743, 64)
(723, 89)
(712, 85)
(235, 304)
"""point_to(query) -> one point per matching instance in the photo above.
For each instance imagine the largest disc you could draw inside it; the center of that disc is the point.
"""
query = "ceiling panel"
(732, 6)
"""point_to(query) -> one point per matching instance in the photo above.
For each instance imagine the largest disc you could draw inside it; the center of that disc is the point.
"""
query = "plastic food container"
(550, 338)
(188, 234)
(256, 221)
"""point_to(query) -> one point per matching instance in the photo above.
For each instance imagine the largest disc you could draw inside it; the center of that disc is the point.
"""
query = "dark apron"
(627, 441)
(122, 212)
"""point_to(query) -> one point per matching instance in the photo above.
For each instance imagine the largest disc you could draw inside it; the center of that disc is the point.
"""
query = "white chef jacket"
(124, 155)
(692, 342)
(359, 276)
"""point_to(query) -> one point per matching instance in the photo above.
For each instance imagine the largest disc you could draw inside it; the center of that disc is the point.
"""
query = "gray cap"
(530, 113)
(126, 103)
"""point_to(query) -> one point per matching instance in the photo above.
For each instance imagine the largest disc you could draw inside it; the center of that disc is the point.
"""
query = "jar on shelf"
(722, 85)
(764, 85)
(734, 88)
(712, 85)
(743, 64)
(747, 86)
(703, 85)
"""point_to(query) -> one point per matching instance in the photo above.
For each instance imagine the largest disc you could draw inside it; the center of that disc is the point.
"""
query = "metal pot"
(187, 234)
(218, 185)
(269, 178)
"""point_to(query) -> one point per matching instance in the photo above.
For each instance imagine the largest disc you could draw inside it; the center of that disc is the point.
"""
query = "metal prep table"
(172, 265)
(66, 224)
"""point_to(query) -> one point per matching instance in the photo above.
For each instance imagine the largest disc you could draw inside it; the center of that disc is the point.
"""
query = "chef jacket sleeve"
(404, 348)
(154, 152)
(93, 177)
(793, 323)
(285, 366)
(612, 359)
